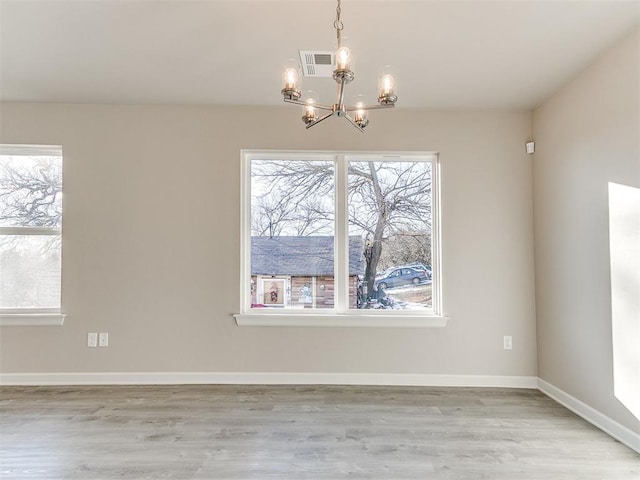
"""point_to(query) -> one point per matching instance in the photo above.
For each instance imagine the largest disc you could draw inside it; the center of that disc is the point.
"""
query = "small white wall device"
(531, 147)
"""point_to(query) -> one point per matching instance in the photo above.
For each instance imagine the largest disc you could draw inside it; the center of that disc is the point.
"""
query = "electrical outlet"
(103, 339)
(508, 342)
(92, 339)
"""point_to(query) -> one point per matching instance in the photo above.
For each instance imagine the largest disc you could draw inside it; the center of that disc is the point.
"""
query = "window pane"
(30, 271)
(292, 234)
(30, 191)
(390, 210)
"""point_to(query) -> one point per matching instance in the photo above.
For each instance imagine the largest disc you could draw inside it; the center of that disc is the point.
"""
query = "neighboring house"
(298, 271)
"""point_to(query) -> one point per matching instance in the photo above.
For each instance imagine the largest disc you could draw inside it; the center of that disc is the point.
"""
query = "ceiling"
(447, 54)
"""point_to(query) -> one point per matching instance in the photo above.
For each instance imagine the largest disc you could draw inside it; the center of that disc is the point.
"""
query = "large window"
(340, 234)
(30, 232)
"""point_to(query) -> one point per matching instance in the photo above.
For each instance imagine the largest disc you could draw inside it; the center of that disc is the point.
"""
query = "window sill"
(338, 320)
(32, 319)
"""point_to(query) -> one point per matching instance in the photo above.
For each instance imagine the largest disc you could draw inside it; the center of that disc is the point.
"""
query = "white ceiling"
(447, 54)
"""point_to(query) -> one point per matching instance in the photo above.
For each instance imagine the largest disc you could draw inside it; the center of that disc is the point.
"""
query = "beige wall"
(151, 243)
(587, 135)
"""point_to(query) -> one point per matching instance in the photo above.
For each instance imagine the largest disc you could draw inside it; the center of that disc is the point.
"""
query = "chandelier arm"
(370, 107)
(353, 122)
(297, 102)
(330, 114)
(304, 104)
(328, 108)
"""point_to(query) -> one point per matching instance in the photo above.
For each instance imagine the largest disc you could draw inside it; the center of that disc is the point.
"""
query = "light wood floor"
(300, 432)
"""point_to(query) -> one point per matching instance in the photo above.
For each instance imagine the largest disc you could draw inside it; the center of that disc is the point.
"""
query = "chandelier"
(356, 115)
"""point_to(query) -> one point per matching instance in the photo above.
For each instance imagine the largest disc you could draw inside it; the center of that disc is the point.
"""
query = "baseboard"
(604, 423)
(267, 378)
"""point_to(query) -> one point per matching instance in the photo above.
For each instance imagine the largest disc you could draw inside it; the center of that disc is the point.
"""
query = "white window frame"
(341, 315)
(28, 317)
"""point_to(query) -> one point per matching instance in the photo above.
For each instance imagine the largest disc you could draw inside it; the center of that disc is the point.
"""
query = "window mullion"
(30, 231)
(341, 266)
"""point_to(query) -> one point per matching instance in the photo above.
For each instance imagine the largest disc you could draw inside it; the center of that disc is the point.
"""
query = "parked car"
(398, 276)
(418, 266)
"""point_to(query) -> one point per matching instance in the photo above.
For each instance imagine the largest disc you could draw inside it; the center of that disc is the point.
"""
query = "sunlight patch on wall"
(624, 248)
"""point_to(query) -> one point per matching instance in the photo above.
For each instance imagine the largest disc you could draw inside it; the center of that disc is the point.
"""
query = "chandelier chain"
(338, 25)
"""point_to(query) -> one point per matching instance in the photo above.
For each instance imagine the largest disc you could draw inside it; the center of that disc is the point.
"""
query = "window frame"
(340, 315)
(33, 316)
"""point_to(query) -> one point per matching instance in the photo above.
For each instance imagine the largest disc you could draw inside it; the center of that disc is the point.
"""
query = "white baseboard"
(591, 415)
(267, 378)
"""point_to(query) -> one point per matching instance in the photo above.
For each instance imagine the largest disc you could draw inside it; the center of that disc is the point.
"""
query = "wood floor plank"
(300, 432)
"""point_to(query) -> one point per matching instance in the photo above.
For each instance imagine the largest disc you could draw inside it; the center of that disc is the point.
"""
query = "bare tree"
(291, 198)
(31, 195)
(273, 216)
(405, 248)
